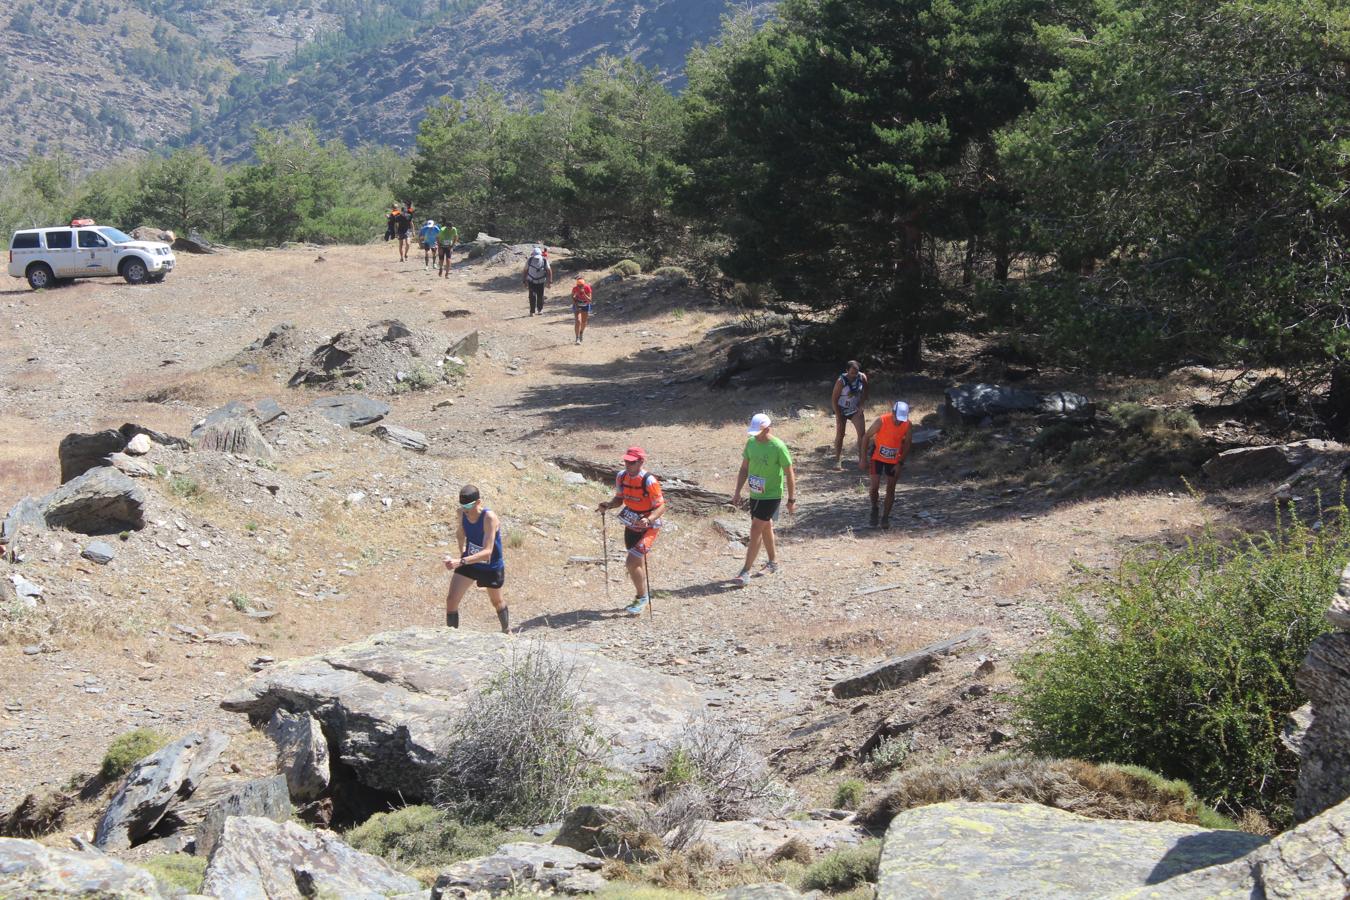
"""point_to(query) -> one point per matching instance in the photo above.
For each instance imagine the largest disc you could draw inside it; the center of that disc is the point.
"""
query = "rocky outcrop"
(970, 404)
(996, 850)
(258, 858)
(1324, 678)
(1244, 464)
(387, 703)
(79, 453)
(153, 786)
(533, 868)
(1309, 862)
(302, 753)
(901, 670)
(406, 438)
(261, 797)
(30, 869)
(99, 501)
(238, 435)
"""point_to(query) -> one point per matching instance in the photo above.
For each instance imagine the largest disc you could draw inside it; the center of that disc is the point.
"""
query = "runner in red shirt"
(639, 493)
(581, 307)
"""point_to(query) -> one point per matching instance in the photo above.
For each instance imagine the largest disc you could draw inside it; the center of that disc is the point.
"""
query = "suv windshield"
(115, 236)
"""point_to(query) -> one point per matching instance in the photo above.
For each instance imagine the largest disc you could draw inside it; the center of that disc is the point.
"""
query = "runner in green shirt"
(767, 465)
(445, 244)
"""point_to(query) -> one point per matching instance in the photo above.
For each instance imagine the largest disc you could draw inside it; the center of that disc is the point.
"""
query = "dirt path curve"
(962, 553)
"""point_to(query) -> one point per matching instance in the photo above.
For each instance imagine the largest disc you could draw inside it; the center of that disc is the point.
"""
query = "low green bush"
(423, 837)
(128, 749)
(844, 870)
(1189, 668)
(626, 268)
(673, 273)
(849, 793)
(177, 870)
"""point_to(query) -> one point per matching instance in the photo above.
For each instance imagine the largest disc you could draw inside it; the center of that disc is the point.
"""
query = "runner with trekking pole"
(604, 544)
(639, 493)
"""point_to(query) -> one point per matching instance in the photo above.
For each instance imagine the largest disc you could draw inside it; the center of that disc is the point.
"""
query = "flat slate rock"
(30, 869)
(403, 437)
(302, 753)
(351, 410)
(387, 702)
(901, 670)
(153, 786)
(99, 501)
(991, 851)
(258, 859)
(542, 868)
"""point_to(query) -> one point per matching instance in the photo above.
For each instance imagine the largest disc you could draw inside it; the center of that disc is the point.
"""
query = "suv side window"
(91, 239)
(24, 240)
(58, 240)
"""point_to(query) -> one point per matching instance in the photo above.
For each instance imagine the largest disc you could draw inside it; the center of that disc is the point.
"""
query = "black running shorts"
(483, 575)
(890, 470)
(764, 510)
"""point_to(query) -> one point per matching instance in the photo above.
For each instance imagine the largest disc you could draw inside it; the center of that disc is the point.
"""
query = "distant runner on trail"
(429, 236)
(581, 307)
(445, 245)
(389, 223)
(538, 275)
(639, 493)
(480, 559)
(766, 464)
(849, 401)
(892, 437)
(402, 225)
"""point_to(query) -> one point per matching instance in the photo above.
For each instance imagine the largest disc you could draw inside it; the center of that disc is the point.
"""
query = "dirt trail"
(961, 554)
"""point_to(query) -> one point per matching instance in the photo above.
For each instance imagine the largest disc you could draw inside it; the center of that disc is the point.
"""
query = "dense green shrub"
(423, 837)
(849, 793)
(1189, 670)
(626, 268)
(844, 870)
(128, 749)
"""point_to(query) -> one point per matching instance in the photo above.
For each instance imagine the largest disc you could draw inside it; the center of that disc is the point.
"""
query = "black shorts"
(764, 510)
(890, 470)
(483, 575)
(403, 235)
(444, 251)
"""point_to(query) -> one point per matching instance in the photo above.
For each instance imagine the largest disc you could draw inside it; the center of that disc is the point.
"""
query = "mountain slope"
(103, 79)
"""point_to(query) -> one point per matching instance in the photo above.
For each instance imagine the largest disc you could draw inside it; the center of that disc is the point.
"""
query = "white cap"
(758, 422)
(537, 251)
(901, 411)
(429, 222)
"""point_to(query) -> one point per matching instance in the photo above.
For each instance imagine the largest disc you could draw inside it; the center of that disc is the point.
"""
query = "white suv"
(45, 255)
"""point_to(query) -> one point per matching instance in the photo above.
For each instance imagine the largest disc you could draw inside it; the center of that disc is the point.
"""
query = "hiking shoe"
(578, 341)
(742, 579)
(770, 568)
(876, 514)
(637, 606)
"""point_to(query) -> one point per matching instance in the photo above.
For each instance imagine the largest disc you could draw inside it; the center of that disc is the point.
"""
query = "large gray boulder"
(302, 753)
(351, 410)
(536, 868)
(29, 869)
(27, 513)
(1310, 862)
(153, 786)
(99, 501)
(79, 453)
(962, 851)
(387, 703)
(1324, 678)
(1244, 464)
(971, 404)
(258, 859)
(262, 797)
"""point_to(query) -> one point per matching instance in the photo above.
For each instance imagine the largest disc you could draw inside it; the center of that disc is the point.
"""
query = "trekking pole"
(604, 542)
(651, 610)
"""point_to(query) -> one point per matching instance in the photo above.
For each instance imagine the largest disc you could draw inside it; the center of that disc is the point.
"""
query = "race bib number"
(630, 516)
(756, 484)
(470, 548)
(889, 452)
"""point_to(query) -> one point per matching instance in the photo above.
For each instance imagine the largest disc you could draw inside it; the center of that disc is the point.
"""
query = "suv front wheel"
(134, 271)
(40, 276)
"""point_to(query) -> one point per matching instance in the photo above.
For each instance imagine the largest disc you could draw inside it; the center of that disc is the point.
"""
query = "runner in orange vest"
(889, 438)
(581, 307)
(639, 493)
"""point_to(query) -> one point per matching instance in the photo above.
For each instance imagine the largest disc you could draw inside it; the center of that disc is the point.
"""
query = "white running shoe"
(742, 579)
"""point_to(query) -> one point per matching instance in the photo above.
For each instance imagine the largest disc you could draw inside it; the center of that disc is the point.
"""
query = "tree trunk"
(1002, 260)
(968, 267)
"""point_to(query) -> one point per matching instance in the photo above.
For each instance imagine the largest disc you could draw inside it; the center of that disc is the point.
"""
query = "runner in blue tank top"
(480, 559)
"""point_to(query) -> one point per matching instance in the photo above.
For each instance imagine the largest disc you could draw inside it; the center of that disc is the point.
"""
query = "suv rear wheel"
(134, 271)
(40, 276)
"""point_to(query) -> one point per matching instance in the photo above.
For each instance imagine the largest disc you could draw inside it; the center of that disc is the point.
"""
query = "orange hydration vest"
(641, 494)
(892, 440)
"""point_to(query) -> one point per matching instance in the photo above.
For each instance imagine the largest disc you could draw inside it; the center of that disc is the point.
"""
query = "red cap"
(635, 454)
